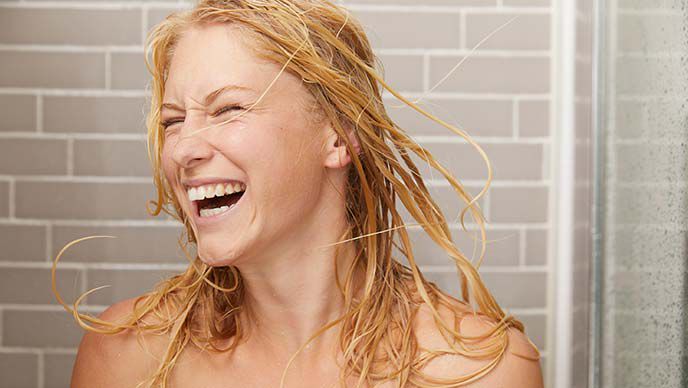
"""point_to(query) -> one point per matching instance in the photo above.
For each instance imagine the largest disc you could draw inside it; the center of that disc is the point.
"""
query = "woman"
(269, 138)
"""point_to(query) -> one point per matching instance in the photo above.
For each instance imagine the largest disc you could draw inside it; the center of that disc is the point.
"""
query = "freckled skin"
(273, 148)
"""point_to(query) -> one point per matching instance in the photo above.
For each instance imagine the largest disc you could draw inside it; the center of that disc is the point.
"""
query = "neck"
(291, 289)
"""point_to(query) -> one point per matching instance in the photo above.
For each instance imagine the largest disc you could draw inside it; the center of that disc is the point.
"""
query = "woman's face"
(275, 150)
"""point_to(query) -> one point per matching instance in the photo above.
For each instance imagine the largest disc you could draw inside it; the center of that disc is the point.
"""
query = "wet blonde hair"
(327, 48)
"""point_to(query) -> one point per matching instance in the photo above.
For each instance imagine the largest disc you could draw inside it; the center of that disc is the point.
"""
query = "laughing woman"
(270, 143)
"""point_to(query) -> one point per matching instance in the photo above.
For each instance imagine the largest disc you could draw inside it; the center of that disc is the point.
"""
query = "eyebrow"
(211, 96)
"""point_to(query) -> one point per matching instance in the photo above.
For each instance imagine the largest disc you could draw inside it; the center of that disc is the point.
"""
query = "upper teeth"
(214, 190)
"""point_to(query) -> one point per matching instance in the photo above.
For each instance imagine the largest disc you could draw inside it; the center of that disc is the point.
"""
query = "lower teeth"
(216, 211)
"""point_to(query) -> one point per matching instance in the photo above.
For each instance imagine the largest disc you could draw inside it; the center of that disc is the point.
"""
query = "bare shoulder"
(519, 366)
(115, 360)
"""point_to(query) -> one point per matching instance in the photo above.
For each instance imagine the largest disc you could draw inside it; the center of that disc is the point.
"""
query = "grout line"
(70, 157)
(83, 277)
(144, 24)
(522, 249)
(108, 67)
(499, 9)
(41, 369)
(12, 197)
(85, 92)
(484, 269)
(515, 117)
(76, 5)
(73, 135)
(49, 242)
(39, 113)
(83, 265)
(426, 72)
(45, 308)
(91, 223)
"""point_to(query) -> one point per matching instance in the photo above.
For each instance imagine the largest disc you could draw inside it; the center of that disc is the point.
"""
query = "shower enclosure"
(629, 284)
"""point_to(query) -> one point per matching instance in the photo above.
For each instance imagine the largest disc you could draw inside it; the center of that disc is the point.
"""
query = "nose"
(191, 149)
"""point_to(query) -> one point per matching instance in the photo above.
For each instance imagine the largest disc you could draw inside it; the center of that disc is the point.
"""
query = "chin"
(217, 255)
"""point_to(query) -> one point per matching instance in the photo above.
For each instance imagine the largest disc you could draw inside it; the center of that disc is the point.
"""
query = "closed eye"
(222, 110)
(227, 109)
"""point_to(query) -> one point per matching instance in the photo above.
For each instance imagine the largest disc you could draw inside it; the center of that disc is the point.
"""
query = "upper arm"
(518, 367)
(109, 360)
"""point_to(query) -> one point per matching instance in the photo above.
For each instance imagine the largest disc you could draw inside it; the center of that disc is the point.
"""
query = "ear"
(336, 154)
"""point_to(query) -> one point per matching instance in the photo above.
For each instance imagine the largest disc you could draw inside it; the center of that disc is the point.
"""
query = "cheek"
(167, 164)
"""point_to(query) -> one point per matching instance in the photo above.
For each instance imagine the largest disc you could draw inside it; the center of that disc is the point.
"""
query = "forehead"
(206, 57)
(209, 57)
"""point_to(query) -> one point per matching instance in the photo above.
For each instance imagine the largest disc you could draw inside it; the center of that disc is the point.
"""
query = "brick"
(533, 118)
(502, 252)
(519, 204)
(94, 114)
(35, 69)
(526, 3)
(476, 117)
(67, 26)
(536, 247)
(403, 72)
(105, 158)
(18, 113)
(484, 74)
(458, 3)
(33, 285)
(57, 369)
(82, 200)
(448, 200)
(40, 329)
(394, 29)
(18, 156)
(131, 245)
(511, 289)
(536, 328)
(156, 15)
(124, 283)
(19, 370)
(526, 32)
(509, 161)
(128, 71)
(22, 242)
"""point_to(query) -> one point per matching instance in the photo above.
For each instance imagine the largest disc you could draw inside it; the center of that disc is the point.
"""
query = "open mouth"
(212, 200)
(208, 207)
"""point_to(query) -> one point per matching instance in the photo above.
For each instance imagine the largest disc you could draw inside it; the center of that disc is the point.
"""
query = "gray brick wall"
(73, 161)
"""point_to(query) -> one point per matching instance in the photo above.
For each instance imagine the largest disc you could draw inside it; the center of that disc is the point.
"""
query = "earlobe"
(338, 156)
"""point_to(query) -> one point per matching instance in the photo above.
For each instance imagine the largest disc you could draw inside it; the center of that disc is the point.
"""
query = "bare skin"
(295, 170)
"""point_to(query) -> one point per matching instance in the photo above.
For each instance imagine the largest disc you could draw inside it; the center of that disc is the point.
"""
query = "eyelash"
(227, 108)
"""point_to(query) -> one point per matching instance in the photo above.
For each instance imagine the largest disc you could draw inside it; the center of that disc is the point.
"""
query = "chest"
(201, 370)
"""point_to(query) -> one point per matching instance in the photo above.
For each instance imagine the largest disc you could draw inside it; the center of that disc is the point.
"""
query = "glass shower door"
(641, 279)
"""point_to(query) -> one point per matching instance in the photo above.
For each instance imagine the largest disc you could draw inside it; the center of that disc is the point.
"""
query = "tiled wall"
(73, 160)
(645, 314)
